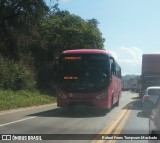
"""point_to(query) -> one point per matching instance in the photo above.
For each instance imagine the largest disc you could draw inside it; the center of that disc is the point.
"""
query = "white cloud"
(129, 58)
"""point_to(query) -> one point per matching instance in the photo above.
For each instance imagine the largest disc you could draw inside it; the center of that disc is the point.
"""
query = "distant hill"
(127, 77)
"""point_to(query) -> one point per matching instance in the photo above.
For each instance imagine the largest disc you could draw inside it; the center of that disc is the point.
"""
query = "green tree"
(63, 30)
(34, 34)
(17, 19)
(19, 22)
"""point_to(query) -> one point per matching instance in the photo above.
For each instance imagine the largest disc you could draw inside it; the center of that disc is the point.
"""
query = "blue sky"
(130, 27)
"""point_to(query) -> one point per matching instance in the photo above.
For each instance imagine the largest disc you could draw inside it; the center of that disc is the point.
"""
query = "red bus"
(88, 77)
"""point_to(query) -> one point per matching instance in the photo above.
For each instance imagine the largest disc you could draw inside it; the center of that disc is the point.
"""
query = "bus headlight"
(62, 96)
(102, 95)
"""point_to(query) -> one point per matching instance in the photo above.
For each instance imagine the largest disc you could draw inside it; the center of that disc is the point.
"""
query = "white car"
(150, 98)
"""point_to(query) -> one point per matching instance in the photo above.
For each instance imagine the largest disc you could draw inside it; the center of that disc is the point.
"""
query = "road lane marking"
(1, 125)
(9, 123)
(109, 129)
(119, 122)
(121, 126)
(114, 123)
(25, 108)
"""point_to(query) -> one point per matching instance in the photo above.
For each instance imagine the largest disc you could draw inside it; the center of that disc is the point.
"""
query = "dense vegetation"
(32, 35)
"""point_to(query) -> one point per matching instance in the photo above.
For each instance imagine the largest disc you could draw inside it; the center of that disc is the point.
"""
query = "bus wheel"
(117, 103)
(110, 108)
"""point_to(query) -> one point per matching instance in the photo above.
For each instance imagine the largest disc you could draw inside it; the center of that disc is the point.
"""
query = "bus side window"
(112, 66)
(120, 72)
(113, 69)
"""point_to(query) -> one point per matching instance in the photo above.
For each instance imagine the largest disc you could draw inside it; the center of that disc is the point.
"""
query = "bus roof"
(86, 51)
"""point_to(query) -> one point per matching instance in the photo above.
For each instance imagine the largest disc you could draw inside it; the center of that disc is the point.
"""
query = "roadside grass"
(10, 99)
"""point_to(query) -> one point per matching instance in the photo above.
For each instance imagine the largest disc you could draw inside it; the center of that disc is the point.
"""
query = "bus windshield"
(83, 72)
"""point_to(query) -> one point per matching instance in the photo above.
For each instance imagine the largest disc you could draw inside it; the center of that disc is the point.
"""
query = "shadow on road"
(136, 104)
(58, 112)
(141, 114)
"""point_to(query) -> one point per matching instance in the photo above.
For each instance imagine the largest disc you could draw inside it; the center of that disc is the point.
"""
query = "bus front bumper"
(96, 103)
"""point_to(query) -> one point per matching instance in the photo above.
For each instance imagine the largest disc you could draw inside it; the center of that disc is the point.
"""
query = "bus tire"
(110, 108)
(117, 103)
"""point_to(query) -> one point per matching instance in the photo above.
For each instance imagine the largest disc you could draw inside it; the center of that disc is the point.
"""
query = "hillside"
(127, 77)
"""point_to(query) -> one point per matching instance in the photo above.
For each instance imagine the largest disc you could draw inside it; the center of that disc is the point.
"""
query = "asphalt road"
(127, 118)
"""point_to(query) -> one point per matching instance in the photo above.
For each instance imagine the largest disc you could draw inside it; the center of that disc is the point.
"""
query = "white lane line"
(25, 109)
(1, 125)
